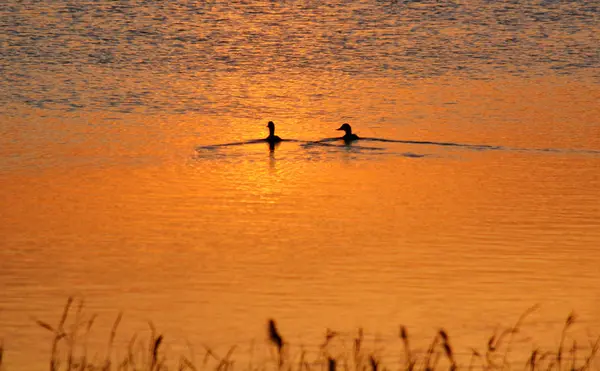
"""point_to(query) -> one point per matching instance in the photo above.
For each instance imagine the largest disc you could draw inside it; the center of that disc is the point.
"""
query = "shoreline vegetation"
(69, 351)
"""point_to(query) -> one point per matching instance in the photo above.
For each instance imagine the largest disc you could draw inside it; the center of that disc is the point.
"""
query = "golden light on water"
(114, 187)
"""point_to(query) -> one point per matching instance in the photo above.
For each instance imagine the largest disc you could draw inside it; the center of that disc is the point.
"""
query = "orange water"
(109, 200)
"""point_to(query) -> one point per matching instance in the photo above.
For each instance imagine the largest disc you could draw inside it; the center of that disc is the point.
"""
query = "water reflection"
(298, 226)
(273, 145)
(125, 51)
(272, 160)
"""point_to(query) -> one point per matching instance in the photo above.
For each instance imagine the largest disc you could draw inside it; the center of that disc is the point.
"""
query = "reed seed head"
(444, 335)
(403, 333)
(274, 335)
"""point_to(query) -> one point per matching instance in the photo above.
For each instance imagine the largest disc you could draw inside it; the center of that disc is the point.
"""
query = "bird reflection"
(272, 160)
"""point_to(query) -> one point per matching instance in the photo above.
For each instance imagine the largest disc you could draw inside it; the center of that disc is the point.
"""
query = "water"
(105, 197)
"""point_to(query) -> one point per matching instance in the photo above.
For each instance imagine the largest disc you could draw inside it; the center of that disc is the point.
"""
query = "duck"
(348, 137)
(272, 138)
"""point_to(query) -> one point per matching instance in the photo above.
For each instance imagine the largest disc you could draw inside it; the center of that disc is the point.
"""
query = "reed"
(69, 351)
(277, 340)
(568, 323)
(357, 347)
(59, 334)
(331, 364)
(409, 362)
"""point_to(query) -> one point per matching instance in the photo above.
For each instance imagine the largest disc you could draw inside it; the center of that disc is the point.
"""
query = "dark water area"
(206, 57)
(134, 173)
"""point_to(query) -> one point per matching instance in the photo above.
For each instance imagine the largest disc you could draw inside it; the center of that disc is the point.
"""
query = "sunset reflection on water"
(475, 198)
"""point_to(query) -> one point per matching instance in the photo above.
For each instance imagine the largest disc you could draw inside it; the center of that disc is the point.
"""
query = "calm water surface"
(109, 194)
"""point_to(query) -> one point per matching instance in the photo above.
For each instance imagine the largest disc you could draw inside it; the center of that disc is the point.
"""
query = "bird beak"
(340, 128)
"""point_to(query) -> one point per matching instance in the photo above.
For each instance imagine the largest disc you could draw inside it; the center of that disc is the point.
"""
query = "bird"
(348, 137)
(272, 138)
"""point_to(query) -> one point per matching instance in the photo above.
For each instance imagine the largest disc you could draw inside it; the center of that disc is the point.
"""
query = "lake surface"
(484, 201)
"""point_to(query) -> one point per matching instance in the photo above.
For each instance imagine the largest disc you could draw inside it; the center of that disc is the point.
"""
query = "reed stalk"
(70, 339)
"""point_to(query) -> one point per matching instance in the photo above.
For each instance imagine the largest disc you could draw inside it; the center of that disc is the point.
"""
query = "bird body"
(348, 136)
(272, 138)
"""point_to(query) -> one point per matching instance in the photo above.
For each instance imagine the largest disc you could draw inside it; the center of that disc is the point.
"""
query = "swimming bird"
(348, 137)
(272, 138)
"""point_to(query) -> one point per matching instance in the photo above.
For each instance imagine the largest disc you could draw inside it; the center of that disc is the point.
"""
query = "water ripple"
(76, 53)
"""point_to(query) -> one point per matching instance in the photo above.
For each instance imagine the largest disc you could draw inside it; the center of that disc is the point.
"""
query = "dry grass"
(69, 351)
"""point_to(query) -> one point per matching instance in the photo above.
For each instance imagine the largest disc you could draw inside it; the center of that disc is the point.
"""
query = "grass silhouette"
(69, 351)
